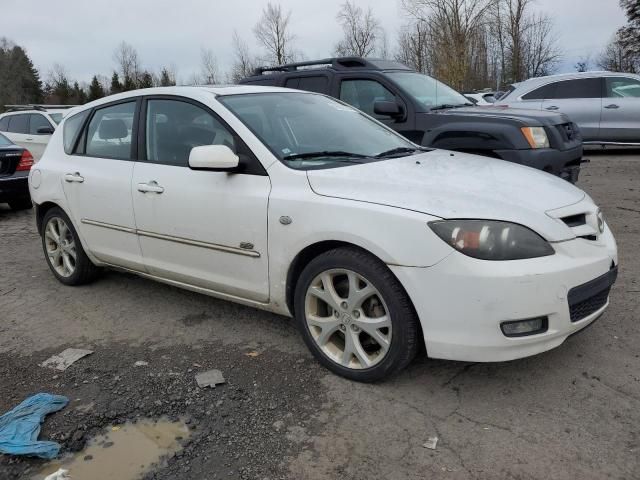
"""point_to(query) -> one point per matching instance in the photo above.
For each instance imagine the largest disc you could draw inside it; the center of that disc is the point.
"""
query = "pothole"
(124, 452)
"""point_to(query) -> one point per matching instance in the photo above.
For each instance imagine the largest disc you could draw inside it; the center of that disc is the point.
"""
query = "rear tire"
(62, 249)
(355, 316)
(21, 204)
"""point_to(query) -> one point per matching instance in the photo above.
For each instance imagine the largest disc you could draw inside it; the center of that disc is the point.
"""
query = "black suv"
(432, 114)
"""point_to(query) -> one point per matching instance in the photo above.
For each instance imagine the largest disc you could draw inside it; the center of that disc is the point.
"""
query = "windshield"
(56, 117)
(308, 131)
(428, 91)
(4, 141)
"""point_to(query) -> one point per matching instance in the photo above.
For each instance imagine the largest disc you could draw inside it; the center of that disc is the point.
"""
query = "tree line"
(468, 44)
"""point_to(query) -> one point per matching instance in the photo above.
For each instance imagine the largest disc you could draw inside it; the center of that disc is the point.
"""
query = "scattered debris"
(210, 378)
(141, 363)
(431, 443)
(61, 474)
(65, 359)
(20, 427)
(252, 354)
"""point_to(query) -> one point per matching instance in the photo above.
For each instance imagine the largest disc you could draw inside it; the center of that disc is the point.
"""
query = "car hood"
(456, 185)
(528, 117)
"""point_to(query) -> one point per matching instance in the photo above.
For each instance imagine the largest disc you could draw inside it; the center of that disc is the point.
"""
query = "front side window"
(363, 94)
(428, 91)
(37, 122)
(56, 117)
(71, 129)
(620, 87)
(582, 88)
(548, 91)
(174, 127)
(19, 123)
(110, 132)
(309, 131)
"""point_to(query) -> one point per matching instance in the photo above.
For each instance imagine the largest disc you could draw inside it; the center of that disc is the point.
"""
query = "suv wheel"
(355, 316)
(63, 250)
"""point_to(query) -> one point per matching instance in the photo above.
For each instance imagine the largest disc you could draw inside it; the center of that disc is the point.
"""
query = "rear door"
(36, 140)
(97, 181)
(18, 129)
(581, 100)
(621, 110)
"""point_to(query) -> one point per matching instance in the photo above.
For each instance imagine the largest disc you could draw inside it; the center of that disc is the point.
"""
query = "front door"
(621, 110)
(202, 228)
(97, 184)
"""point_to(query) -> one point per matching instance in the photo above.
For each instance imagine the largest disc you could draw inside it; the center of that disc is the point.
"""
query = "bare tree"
(128, 61)
(413, 46)
(209, 67)
(539, 47)
(361, 31)
(273, 32)
(244, 63)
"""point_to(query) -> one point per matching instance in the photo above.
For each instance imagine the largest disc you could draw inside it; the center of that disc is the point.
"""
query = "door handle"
(151, 186)
(612, 106)
(552, 107)
(73, 177)
(29, 139)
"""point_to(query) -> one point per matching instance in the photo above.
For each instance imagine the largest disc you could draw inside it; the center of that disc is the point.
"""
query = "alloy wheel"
(348, 318)
(60, 246)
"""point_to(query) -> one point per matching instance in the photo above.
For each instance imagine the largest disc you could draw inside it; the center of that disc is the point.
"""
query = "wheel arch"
(41, 211)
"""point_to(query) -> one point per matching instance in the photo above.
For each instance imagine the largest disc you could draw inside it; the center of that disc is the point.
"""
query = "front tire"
(355, 316)
(64, 253)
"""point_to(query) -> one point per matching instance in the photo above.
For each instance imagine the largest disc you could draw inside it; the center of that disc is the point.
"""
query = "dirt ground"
(573, 412)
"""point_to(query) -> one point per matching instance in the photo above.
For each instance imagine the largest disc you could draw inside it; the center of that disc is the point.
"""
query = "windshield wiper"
(399, 150)
(325, 153)
(447, 106)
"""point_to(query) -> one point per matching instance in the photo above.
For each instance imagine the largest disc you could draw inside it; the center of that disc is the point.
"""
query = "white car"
(31, 127)
(299, 204)
(486, 99)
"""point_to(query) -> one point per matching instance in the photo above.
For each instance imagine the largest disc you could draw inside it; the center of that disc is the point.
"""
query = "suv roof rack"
(336, 63)
(34, 106)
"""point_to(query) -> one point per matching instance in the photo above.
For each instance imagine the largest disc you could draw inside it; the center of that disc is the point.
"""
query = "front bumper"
(462, 301)
(14, 187)
(563, 163)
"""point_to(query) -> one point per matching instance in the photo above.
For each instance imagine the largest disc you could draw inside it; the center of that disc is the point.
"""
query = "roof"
(334, 63)
(573, 75)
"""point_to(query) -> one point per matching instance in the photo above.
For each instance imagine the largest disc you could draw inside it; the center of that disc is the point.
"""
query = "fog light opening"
(524, 328)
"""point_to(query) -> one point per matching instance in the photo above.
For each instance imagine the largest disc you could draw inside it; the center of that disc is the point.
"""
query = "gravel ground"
(573, 412)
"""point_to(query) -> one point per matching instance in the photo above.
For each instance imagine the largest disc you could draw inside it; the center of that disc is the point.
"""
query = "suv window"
(174, 127)
(619, 87)
(37, 121)
(18, 123)
(318, 84)
(71, 129)
(110, 132)
(567, 89)
(539, 93)
(4, 124)
(363, 94)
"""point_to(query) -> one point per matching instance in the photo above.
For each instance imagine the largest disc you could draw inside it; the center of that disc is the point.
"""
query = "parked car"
(432, 114)
(605, 105)
(299, 204)
(481, 99)
(31, 126)
(15, 163)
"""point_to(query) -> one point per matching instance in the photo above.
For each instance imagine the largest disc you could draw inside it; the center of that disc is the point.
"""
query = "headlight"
(492, 240)
(536, 136)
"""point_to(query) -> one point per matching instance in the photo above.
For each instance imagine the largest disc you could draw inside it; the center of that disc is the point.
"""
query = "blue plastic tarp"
(20, 427)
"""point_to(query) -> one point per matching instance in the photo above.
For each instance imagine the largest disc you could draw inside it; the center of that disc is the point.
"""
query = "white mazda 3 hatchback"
(299, 204)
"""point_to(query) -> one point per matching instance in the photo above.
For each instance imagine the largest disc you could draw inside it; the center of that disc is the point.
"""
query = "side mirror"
(217, 158)
(45, 131)
(389, 109)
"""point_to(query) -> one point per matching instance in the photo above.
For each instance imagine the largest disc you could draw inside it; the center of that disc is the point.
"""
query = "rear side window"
(19, 123)
(618, 87)
(110, 132)
(38, 121)
(71, 129)
(4, 124)
(317, 84)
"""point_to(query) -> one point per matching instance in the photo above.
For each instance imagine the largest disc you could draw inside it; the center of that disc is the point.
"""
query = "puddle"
(124, 452)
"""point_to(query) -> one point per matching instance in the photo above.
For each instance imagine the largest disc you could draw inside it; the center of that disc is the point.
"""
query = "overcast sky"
(81, 35)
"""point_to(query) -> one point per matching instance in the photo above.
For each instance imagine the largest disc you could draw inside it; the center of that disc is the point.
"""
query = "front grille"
(591, 296)
(569, 131)
(590, 305)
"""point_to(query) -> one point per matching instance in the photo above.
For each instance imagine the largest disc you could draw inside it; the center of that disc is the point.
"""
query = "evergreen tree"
(19, 80)
(146, 81)
(129, 84)
(116, 86)
(79, 97)
(95, 89)
(166, 79)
